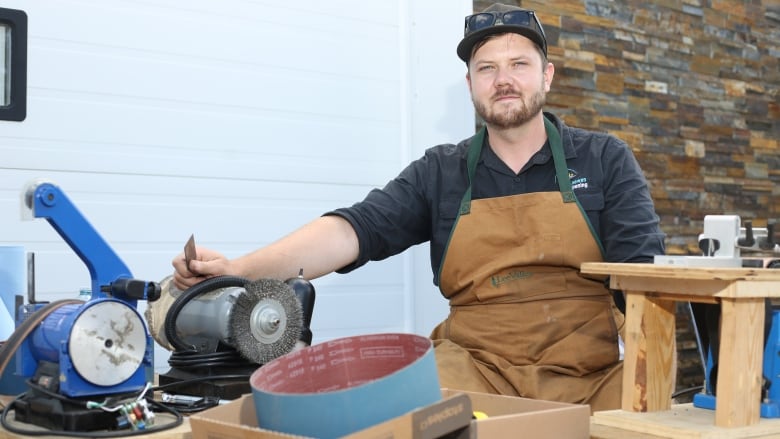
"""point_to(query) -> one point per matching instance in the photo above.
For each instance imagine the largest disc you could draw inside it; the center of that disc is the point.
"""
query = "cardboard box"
(511, 417)
(237, 420)
(451, 418)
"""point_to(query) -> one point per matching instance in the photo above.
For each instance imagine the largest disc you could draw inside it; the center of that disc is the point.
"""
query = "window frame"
(16, 21)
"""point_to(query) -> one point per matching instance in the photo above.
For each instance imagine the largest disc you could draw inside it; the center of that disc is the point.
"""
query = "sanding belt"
(27, 327)
(341, 386)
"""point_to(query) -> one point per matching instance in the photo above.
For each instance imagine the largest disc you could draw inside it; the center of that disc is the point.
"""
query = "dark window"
(13, 64)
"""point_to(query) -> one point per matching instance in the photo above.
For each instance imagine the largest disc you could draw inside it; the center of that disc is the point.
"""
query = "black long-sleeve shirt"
(422, 202)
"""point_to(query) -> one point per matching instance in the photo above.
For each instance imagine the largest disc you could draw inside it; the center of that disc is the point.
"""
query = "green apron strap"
(475, 148)
(562, 175)
(561, 170)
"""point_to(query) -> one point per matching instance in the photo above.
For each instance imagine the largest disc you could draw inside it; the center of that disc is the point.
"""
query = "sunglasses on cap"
(522, 18)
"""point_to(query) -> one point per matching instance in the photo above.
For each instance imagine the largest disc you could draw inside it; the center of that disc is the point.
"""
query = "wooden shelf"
(681, 421)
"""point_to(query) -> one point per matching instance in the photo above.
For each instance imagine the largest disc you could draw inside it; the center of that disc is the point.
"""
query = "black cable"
(194, 360)
(203, 378)
(199, 405)
(686, 391)
(699, 344)
(178, 419)
(70, 401)
(192, 292)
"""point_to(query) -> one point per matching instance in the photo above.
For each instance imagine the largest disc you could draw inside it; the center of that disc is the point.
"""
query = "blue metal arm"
(109, 274)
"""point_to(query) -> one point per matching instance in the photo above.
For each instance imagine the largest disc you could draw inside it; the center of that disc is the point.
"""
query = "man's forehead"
(513, 44)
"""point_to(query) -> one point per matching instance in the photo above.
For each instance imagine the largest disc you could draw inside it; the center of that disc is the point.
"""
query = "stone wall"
(693, 86)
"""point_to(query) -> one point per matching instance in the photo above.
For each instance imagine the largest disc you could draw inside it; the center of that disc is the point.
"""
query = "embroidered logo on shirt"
(577, 182)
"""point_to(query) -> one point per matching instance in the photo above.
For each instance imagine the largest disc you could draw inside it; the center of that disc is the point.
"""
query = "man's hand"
(208, 263)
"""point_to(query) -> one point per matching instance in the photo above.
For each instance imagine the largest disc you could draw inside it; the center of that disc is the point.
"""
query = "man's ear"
(549, 72)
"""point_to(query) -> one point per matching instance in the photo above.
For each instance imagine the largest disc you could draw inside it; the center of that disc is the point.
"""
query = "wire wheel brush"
(266, 320)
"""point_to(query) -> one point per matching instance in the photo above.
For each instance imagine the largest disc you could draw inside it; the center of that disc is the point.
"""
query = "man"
(510, 213)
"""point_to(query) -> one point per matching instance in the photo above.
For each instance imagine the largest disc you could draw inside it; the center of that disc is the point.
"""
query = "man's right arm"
(318, 248)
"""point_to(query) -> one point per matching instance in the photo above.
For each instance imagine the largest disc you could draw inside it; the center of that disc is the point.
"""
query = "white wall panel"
(237, 121)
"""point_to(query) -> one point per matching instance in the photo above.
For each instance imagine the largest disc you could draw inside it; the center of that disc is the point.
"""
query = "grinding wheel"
(266, 320)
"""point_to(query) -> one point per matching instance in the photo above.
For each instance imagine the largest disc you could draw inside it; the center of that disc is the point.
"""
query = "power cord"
(193, 360)
(128, 409)
(199, 379)
(189, 405)
(686, 391)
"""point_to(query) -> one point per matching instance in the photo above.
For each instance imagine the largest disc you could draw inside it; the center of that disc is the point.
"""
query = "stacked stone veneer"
(693, 86)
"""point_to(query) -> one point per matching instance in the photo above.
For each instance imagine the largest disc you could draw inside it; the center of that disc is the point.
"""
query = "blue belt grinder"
(80, 350)
(722, 242)
(770, 391)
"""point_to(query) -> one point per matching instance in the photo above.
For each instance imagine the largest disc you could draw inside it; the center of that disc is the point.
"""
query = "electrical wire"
(178, 419)
(699, 345)
(203, 403)
(203, 378)
(685, 391)
(193, 405)
(194, 360)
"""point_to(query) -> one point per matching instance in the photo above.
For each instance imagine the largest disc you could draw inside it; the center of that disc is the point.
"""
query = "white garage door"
(236, 121)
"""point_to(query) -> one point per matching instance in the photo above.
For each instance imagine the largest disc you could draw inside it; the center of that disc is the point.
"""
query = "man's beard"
(511, 116)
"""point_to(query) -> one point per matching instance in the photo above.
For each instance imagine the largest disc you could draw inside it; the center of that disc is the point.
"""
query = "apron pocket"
(590, 346)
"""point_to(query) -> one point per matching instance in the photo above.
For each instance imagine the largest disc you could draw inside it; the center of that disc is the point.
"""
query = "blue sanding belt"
(342, 386)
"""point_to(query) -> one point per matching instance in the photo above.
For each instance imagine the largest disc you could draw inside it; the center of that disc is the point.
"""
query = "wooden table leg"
(650, 352)
(738, 390)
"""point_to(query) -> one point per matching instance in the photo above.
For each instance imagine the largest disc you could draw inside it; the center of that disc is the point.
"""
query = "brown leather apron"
(523, 321)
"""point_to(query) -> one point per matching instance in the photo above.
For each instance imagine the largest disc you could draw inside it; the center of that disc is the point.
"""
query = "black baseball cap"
(498, 19)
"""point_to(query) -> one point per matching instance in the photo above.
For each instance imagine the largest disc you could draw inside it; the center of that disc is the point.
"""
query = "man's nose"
(502, 77)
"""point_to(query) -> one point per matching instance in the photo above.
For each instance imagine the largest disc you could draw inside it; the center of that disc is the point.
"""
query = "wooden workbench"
(183, 431)
(648, 369)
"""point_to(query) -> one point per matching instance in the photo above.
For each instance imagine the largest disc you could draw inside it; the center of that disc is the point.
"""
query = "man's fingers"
(185, 282)
(192, 266)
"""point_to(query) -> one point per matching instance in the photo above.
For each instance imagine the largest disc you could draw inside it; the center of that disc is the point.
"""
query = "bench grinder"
(224, 328)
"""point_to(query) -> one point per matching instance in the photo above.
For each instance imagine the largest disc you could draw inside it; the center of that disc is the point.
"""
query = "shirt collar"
(541, 157)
